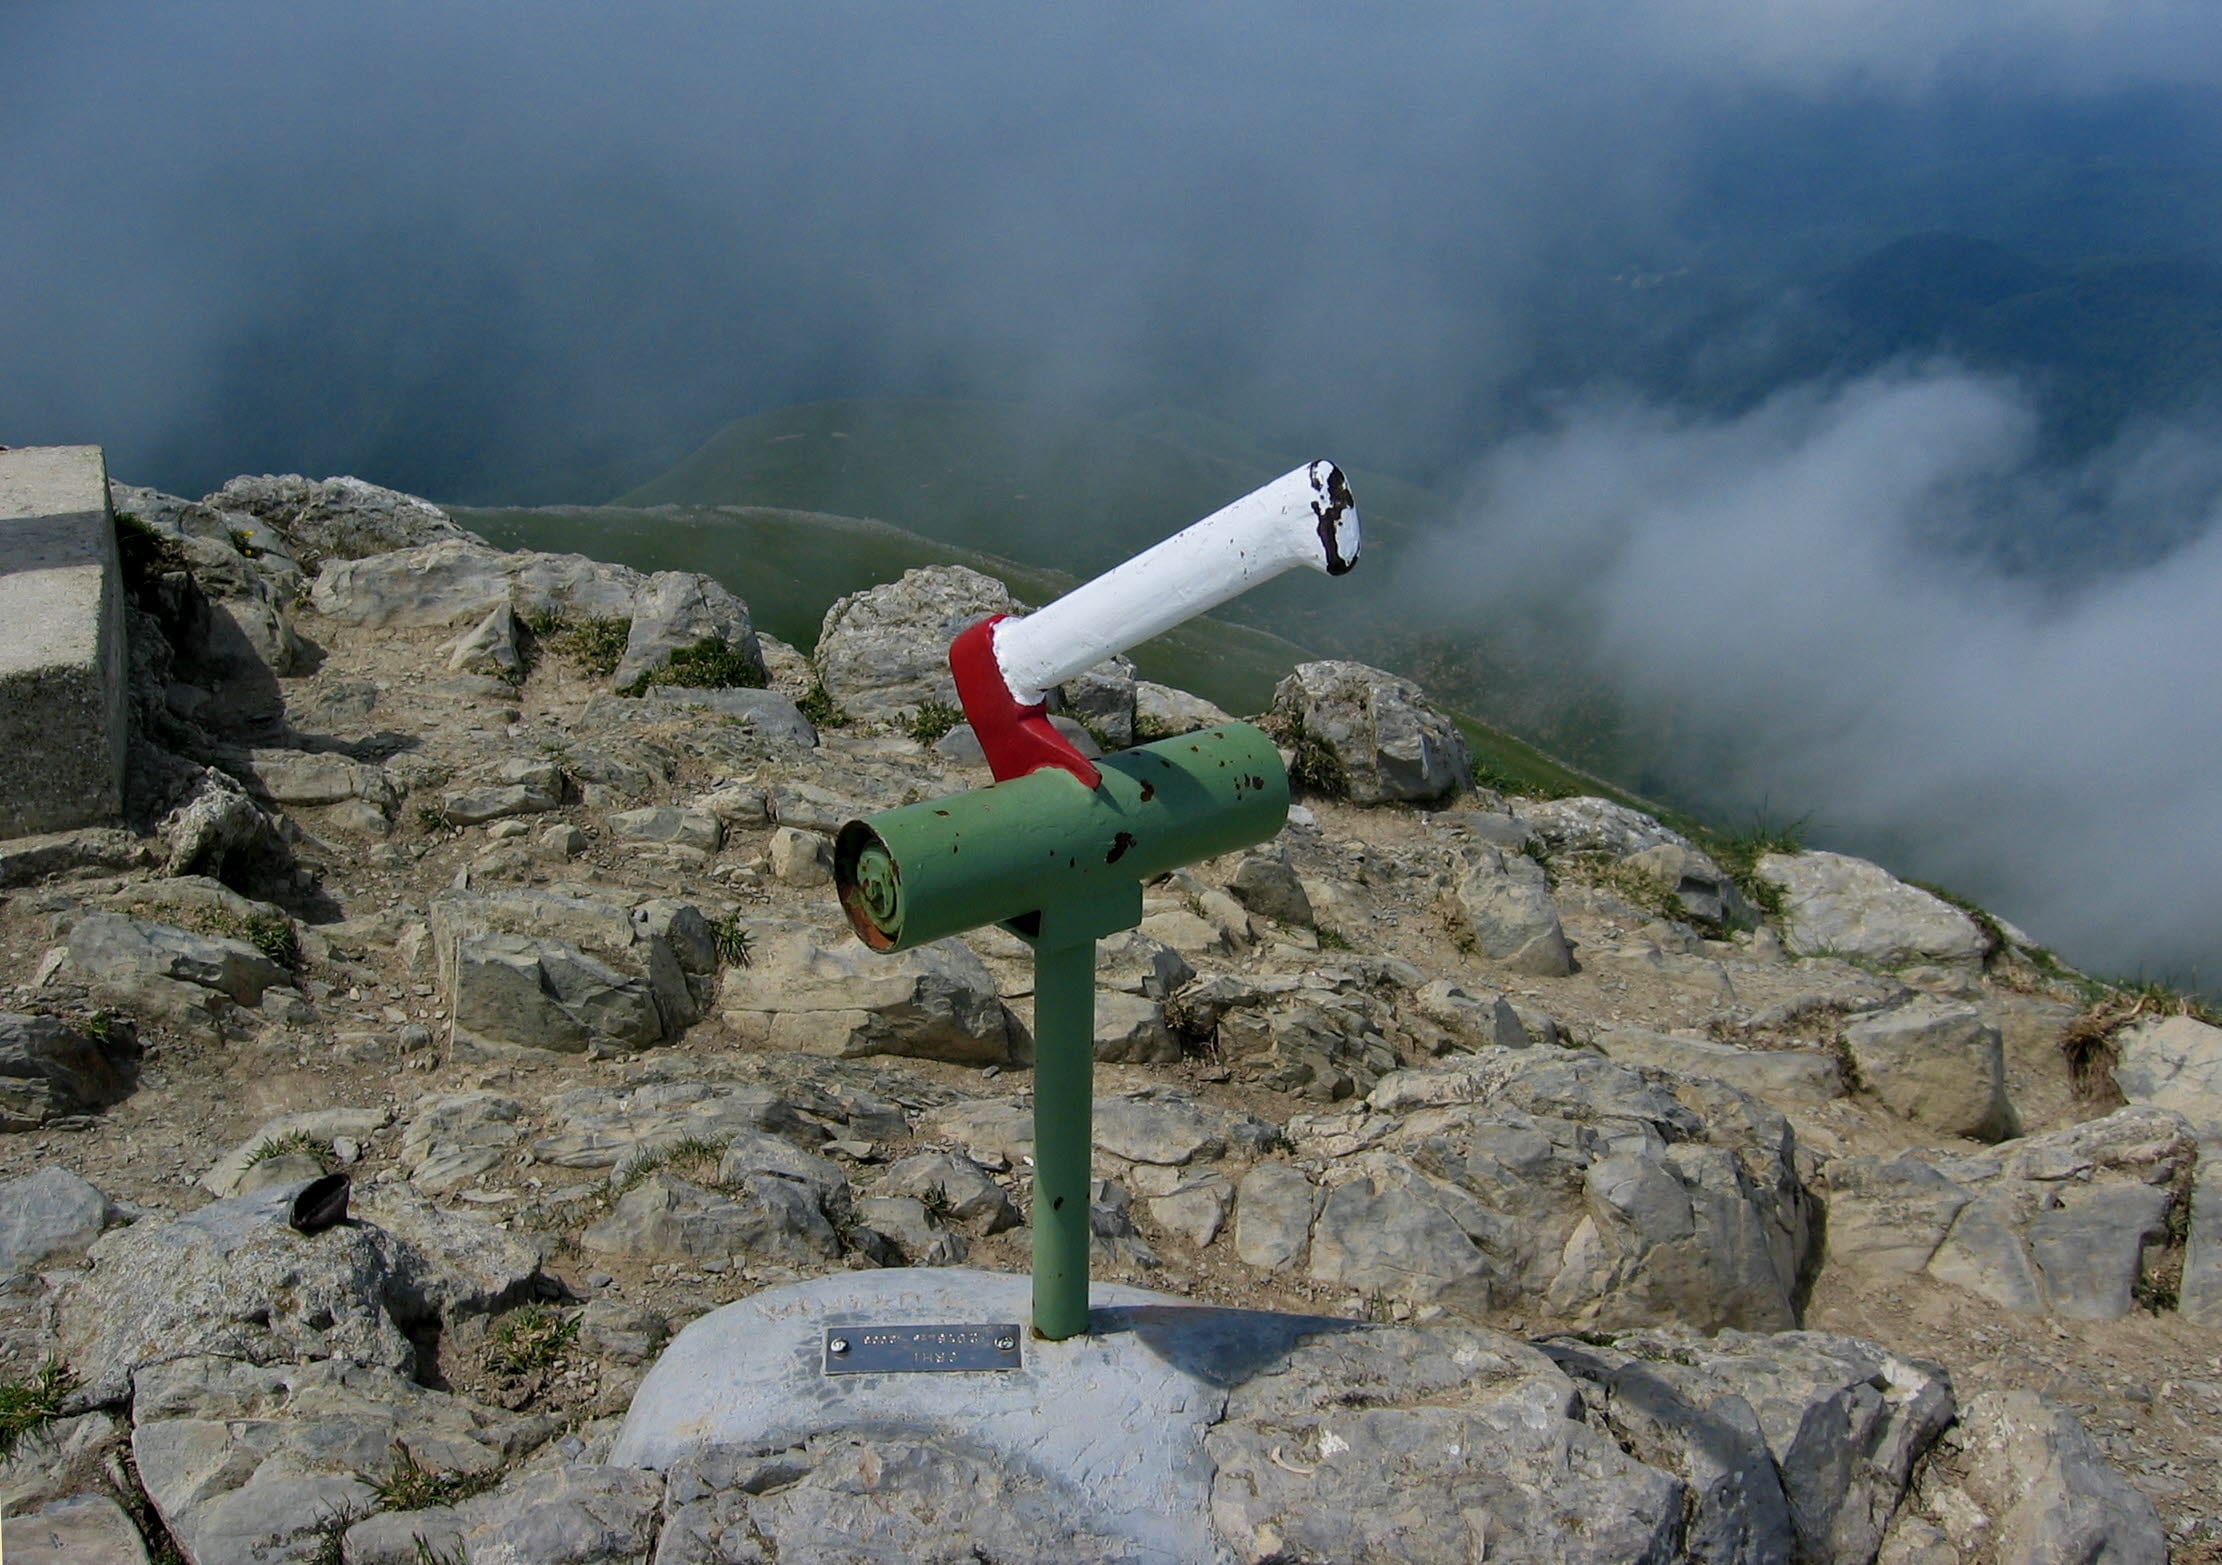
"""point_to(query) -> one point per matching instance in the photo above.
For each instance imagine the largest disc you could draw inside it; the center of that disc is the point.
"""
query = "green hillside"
(789, 566)
(1027, 482)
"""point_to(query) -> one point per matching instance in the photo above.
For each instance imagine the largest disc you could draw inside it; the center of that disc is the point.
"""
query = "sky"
(536, 252)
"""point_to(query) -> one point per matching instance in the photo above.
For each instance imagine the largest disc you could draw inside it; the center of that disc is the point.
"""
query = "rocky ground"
(1790, 1212)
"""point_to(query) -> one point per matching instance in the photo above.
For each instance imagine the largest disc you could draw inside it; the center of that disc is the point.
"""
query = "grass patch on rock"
(29, 1405)
(592, 643)
(411, 1486)
(712, 663)
(528, 1339)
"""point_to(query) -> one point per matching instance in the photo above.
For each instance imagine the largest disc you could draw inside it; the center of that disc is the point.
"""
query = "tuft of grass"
(936, 1202)
(686, 1156)
(427, 1555)
(527, 1339)
(821, 709)
(932, 721)
(735, 943)
(329, 1532)
(2088, 1042)
(1333, 939)
(101, 1026)
(712, 663)
(1644, 892)
(432, 820)
(28, 1406)
(273, 935)
(592, 643)
(291, 1142)
(411, 1486)
(1739, 852)
(1316, 771)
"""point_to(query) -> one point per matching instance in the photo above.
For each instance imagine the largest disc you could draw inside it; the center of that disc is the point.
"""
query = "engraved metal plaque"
(912, 1350)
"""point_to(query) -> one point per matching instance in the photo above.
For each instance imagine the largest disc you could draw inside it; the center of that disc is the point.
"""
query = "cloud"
(1790, 585)
(484, 249)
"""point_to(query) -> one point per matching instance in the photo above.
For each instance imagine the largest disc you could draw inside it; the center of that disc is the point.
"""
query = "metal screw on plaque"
(1005, 1341)
(1061, 866)
(838, 1345)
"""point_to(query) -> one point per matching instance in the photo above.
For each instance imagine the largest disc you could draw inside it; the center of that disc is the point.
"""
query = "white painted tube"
(1306, 517)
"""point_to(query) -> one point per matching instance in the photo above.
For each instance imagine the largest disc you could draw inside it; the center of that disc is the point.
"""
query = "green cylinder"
(1064, 1106)
(1003, 853)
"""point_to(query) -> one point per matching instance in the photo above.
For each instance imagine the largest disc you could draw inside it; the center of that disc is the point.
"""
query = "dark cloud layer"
(493, 249)
(533, 252)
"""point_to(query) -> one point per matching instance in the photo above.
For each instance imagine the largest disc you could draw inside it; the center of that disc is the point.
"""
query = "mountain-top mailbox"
(1057, 850)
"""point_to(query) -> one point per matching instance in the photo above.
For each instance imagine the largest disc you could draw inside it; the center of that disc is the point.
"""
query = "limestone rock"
(597, 1127)
(1269, 888)
(216, 824)
(49, 1070)
(885, 651)
(1130, 1028)
(1322, 1036)
(1706, 892)
(1103, 699)
(1161, 712)
(674, 612)
(48, 1217)
(300, 778)
(85, 1529)
(1779, 1076)
(1937, 1063)
(2173, 1062)
(2064, 1223)
(936, 1002)
(337, 519)
(959, 1185)
(1504, 902)
(1388, 742)
(1196, 1209)
(874, 1496)
(1273, 1217)
(1446, 1445)
(1834, 904)
(1171, 1127)
(765, 714)
(1591, 825)
(801, 858)
(494, 647)
(1473, 1021)
(689, 828)
(667, 1218)
(235, 1281)
(455, 1138)
(2049, 1494)
(588, 974)
(126, 952)
(1508, 1180)
(242, 1460)
(575, 1514)
(455, 579)
(323, 1125)
(1794, 1446)
(2199, 1292)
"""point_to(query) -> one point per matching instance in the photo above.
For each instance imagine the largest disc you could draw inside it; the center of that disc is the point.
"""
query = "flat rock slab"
(1115, 1419)
(62, 652)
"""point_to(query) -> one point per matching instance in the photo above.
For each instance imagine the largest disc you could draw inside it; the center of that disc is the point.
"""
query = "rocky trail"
(1678, 1210)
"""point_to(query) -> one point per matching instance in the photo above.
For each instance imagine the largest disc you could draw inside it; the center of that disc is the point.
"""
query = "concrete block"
(1117, 1415)
(62, 654)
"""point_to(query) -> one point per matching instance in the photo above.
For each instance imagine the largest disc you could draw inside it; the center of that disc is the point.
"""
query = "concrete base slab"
(1115, 1419)
(62, 653)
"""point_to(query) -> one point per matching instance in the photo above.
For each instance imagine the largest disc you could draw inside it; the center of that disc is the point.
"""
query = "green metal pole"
(1064, 1133)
